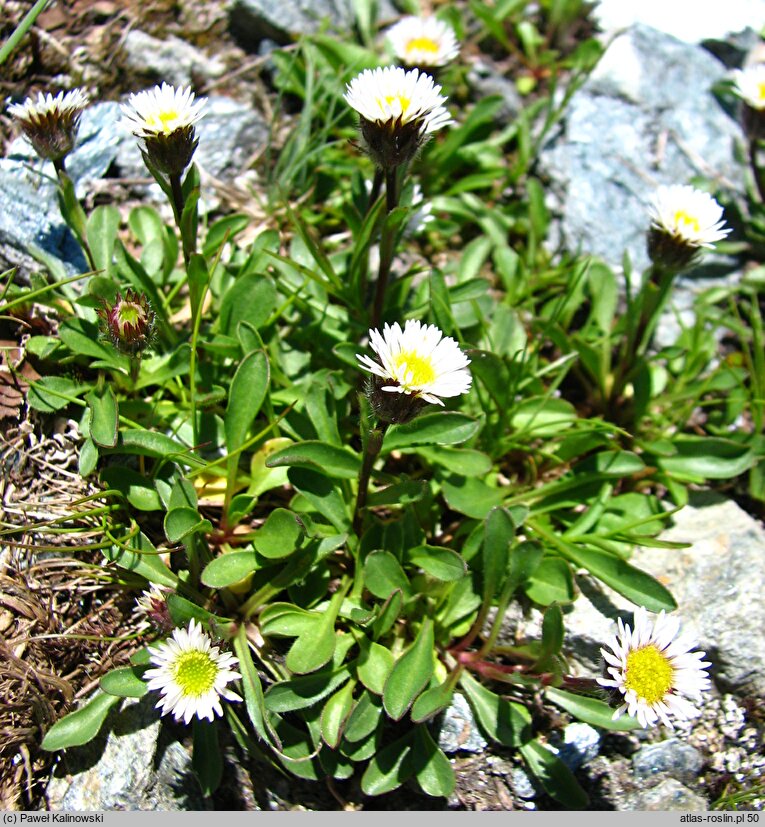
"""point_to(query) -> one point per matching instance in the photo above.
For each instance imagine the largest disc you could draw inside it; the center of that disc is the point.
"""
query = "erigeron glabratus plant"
(331, 455)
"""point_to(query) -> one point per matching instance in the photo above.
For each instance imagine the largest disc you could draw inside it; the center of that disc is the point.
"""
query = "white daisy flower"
(151, 608)
(423, 41)
(191, 674)
(688, 214)
(163, 119)
(654, 669)
(50, 123)
(418, 361)
(749, 85)
(398, 110)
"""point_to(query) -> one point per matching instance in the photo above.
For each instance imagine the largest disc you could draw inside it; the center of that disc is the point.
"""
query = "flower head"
(417, 365)
(749, 85)
(683, 219)
(191, 674)
(51, 123)
(129, 322)
(163, 119)
(398, 110)
(423, 41)
(152, 605)
(653, 671)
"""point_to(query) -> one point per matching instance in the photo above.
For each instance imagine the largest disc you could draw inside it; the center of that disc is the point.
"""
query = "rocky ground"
(623, 134)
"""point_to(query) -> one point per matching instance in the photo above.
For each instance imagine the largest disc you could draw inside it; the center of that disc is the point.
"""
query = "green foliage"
(359, 568)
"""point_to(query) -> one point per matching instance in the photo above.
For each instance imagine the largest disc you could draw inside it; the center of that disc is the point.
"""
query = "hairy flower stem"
(179, 202)
(387, 244)
(651, 300)
(371, 452)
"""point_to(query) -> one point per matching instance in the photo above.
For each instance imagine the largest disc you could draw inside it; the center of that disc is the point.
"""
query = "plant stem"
(387, 244)
(179, 202)
(757, 171)
(371, 452)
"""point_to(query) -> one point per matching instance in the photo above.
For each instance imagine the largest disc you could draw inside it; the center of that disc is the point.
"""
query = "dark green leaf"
(280, 535)
(138, 489)
(389, 768)
(182, 522)
(441, 563)
(321, 492)
(306, 690)
(591, 710)
(410, 674)
(551, 582)
(125, 682)
(503, 721)
(329, 459)
(143, 559)
(81, 726)
(335, 715)
(374, 665)
(229, 568)
(383, 575)
(207, 757)
(248, 390)
(554, 775)
(440, 428)
(432, 768)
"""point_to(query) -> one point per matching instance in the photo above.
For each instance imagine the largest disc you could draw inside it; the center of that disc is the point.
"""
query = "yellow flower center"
(421, 44)
(195, 673)
(129, 314)
(165, 121)
(686, 221)
(761, 93)
(403, 102)
(419, 368)
(649, 674)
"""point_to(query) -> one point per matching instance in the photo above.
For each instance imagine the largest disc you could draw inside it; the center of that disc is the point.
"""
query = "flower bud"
(129, 322)
(51, 123)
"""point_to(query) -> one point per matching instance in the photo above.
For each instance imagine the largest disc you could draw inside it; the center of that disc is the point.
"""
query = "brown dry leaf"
(15, 375)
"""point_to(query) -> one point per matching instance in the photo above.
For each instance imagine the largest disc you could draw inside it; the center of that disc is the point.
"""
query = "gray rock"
(578, 745)
(128, 770)
(252, 21)
(230, 133)
(29, 213)
(668, 795)
(459, 730)
(486, 80)
(671, 757)
(169, 59)
(522, 784)
(645, 117)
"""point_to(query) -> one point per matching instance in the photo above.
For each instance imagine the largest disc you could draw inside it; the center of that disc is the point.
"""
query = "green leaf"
(635, 585)
(88, 458)
(389, 768)
(441, 563)
(125, 683)
(82, 338)
(329, 459)
(542, 416)
(152, 444)
(280, 535)
(389, 614)
(374, 665)
(463, 461)
(253, 691)
(411, 673)
(52, 393)
(230, 568)
(499, 533)
(471, 496)
(286, 620)
(591, 710)
(144, 559)
(335, 715)
(182, 611)
(251, 298)
(399, 494)
(315, 646)
(183, 522)
(503, 721)
(611, 464)
(551, 582)
(440, 428)
(103, 224)
(365, 717)
(321, 492)
(432, 701)
(383, 575)
(77, 728)
(223, 230)
(707, 458)
(207, 756)
(432, 768)
(197, 278)
(248, 390)
(104, 416)
(138, 489)
(306, 690)
(554, 775)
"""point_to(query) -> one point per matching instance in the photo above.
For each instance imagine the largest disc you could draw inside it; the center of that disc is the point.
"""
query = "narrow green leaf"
(207, 756)
(707, 458)
(248, 390)
(389, 614)
(125, 682)
(554, 775)
(88, 458)
(410, 673)
(441, 563)
(286, 620)
(230, 568)
(374, 664)
(365, 717)
(471, 497)
(389, 768)
(432, 768)
(314, 647)
(335, 715)
(432, 701)
(81, 726)
(440, 428)
(503, 721)
(591, 710)
(143, 559)
(102, 226)
(306, 690)
(498, 535)
(321, 492)
(253, 691)
(138, 489)
(52, 393)
(341, 463)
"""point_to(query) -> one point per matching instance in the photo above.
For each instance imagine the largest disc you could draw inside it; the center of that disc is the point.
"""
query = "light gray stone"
(671, 757)
(252, 21)
(129, 769)
(645, 117)
(459, 730)
(668, 795)
(521, 784)
(170, 59)
(578, 745)
(486, 80)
